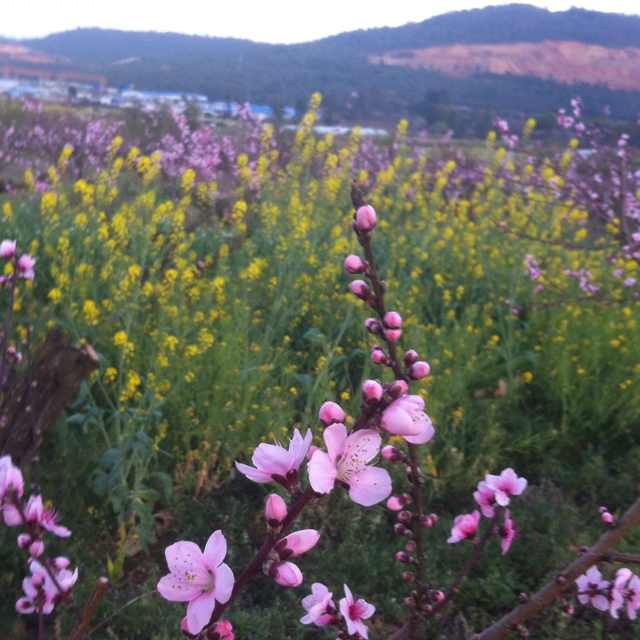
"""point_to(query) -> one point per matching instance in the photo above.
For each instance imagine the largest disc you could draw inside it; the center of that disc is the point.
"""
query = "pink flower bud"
(275, 510)
(395, 503)
(538, 289)
(402, 556)
(355, 264)
(392, 454)
(295, 544)
(372, 325)
(410, 546)
(404, 517)
(392, 320)
(408, 576)
(398, 389)
(26, 265)
(419, 370)
(7, 249)
(378, 356)
(607, 518)
(438, 596)
(61, 562)
(426, 522)
(24, 540)
(410, 357)
(36, 549)
(399, 529)
(366, 218)
(393, 335)
(360, 289)
(331, 412)
(372, 391)
(287, 574)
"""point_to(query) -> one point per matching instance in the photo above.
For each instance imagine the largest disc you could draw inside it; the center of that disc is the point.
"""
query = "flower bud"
(392, 320)
(7, 249)
(399, 529)
(393, 335)
(402, 556)
(275, 510)
(426, 522)
(331, 412)
(607, 518)
(287, 574)
(419, 370)
(360, 289)
(395, 503)
(378, 356)
(373, 326)
(355, 264)
(410, 546)
(24, 540)
(408, 576)
(438, 596)
(36, 548)
(404, 517)
(392, 454)
(410, 357)
(398, 389)
(372, 391)
(61, 562)
(366, 218)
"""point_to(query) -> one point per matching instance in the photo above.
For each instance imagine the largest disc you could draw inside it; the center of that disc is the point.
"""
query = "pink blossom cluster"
(492, 495)
(621, 593)
(51, 580)
(23, 266)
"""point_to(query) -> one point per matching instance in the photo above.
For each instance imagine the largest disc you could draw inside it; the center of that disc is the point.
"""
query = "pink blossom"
(395, 503)
(273, 462)
(331, 412)
(26, 266)
(201, 579)
(275, 510)
(486, 498)
(506, 485)
(354, 612)
(393, 335)
(507, 532)
(464, 526)
(626, 589)
(355, 264)
(11, 480)
(41, 583)
(319, 606)
(346, 461)
(366, 218)
(591, 589)
(7, 249)
(406, 417)
(419, 369)
(287, 574)
(372, 391)
(224, 629)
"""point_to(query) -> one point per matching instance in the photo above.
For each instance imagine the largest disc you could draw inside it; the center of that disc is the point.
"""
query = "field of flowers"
(205, 268)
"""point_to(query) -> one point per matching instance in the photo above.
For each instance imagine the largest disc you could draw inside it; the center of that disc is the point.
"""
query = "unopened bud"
(398, 389)
(393, 335)
(360, 289)
(275, 510)
(372, 391)
(410, 547)
(331, 412)
(607, 518)
(392, 320)
(24, 540)
(366, 218)
(419, 370)
(404, 517)
(399, 529)
(37, 580)
(373, 326)
(392, 454)
(410, 357)
(61, 562)
(402, 556)
(36, 548)
(378, 356)
(395, 503)
(355, 264)
(408, 576)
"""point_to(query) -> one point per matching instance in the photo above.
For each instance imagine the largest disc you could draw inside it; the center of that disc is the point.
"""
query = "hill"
(366, 74)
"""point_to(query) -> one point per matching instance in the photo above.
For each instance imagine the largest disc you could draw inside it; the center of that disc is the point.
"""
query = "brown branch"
(90, 608)
(564, 580)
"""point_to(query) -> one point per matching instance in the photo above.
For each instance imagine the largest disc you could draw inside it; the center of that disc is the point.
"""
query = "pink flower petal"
(426, 431)
(185, 556)
(370, 486)
(253, 474)
(215, 549)
(335, 437)
(322, 472)
(224, 582)
(176, 588)
(361, 447)
(199, 612)
(271, 459)
(301, 541)
(299, 446)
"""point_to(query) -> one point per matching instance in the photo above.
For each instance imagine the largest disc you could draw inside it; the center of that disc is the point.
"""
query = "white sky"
(262, 20)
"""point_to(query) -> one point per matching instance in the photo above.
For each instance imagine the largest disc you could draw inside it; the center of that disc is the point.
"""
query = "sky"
(278, 21)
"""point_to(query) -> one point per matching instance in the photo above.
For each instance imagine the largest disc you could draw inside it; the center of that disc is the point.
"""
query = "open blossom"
(10, 478)
(346, 460)
(41, 592)
(625, 591)
(592, 589)
(26, 266)
(506, 485)
(507, 532)
(485, 496)
(199, 578)
(406, 417)
(355, 612)
(319, 606)
(464, 526)
(532, 267)
(273, 462)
